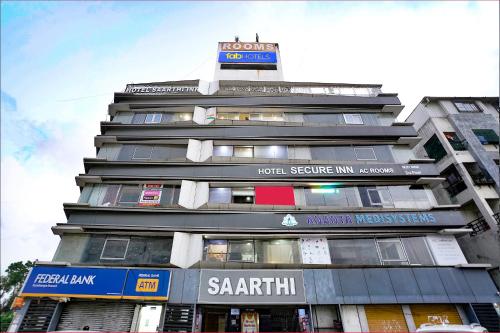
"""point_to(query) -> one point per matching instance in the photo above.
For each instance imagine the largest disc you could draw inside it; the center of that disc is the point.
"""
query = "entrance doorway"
(254, 319)
(149, 318)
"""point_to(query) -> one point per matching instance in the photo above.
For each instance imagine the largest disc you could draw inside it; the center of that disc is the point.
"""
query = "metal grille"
(97, 316)
(178, 318)
(38, 316)
(478, 226)
(487, 316)
(496, 216)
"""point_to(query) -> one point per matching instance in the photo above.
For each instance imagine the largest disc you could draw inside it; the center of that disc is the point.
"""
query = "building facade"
(253, 204)
(461, 135)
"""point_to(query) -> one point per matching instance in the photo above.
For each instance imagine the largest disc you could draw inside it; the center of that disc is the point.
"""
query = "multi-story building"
(255, 204)
(461, 135)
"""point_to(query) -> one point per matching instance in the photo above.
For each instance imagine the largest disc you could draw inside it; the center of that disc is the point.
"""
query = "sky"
(62, 61)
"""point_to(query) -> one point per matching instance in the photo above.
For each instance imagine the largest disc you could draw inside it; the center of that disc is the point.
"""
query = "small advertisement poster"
(249, 322)
(151, 195)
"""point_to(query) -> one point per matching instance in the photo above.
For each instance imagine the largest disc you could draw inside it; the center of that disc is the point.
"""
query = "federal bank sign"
(90, 282)
(251, 287)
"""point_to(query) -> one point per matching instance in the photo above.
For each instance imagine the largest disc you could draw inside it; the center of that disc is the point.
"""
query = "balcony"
(496, 216)
(479, 175)
(479, 226)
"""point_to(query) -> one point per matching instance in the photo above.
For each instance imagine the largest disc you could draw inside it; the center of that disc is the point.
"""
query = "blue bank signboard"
(247, 57)
(86, 282)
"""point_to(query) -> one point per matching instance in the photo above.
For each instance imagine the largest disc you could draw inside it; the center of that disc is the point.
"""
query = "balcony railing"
(478, 226)
(481, 179)
(458, 145)
(496, 216)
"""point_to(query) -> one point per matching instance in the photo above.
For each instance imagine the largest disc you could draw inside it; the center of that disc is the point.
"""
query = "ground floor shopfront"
(245, 300)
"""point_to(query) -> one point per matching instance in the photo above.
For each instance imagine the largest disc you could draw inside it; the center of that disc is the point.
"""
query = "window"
(223, 151)
(153, 118)
(270, 152)
(379, 196)
(454, 141)
(111, 192)
(115, 248)
(353, 251)
(243, 151)
(466, 106)
(241, 251)
(243, 195)
(391, 252)
(486, 136)
(142, 153)
(228, 116)
(277, 251)
(454, 183)
(417, 251)
(219, 195)
(365, 154)
(326, 195)
(216, 250)
(353, 119)
(129, 195)
(434, 148)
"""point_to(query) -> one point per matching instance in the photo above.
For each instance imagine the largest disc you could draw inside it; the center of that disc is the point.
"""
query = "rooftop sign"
(237, 46)
(247, 57)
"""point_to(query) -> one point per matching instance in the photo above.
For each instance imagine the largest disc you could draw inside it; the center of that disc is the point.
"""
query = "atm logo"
(147, 285)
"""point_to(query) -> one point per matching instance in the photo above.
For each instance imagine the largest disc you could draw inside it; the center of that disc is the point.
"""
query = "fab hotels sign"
(251, 287)
(247, 53)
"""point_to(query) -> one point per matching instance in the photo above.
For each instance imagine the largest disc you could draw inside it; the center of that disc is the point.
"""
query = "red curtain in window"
(274, 195)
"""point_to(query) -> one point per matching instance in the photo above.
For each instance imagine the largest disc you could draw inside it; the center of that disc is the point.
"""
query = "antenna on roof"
(257, 37)
(236, 39)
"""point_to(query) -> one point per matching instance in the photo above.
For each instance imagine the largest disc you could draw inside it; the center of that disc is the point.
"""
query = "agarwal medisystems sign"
(251, 287)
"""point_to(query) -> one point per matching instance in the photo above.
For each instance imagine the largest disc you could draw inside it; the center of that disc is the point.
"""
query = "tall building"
(254, 204)
(461, 135)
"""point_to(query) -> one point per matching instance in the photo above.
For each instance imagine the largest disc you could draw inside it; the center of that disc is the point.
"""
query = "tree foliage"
(12, 281)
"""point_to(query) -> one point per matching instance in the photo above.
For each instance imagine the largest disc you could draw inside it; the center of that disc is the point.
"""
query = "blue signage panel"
(247, 57)
(147, 284)
(97, 283)
(75, 281)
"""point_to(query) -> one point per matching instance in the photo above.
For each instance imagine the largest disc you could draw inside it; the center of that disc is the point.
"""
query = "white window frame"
(389, 261)
(115, 239)
(154, 115)
(365, 159)
(140, 158)
(360, 122)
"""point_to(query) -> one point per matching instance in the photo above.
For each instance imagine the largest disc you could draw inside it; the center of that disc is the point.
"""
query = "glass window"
(226, 151)
(243, 195)
(391, 251)
(142, 152)
(434, 148)
(256, 116)
(129, 195)
(466, 107)
(353, 119)
(365, 154)
(271, 152)
(244, 116)
(110, 196)
(243, 151)
(115, 248)
(277, 251)
(170, 195)
(486, 136)
(219, 195)
(241, 251)
(417, 251)
(353, 251)
(228, 116)
(153, 118)
(272, 116)
(215, 250)
(182, 116)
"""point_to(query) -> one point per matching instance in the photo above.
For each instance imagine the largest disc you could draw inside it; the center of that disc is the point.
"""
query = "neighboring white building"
(461, 134)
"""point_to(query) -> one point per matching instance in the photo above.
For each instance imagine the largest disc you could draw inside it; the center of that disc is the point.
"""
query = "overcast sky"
(62, 61)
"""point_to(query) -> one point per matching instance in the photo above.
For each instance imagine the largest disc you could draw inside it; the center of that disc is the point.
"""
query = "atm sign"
(147, 285)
